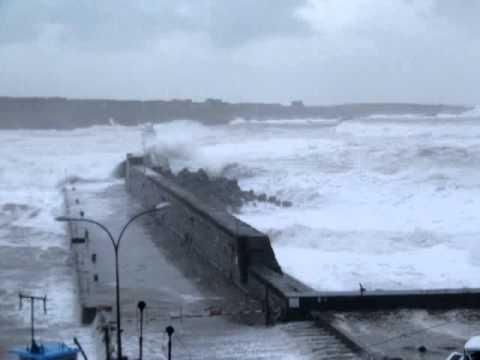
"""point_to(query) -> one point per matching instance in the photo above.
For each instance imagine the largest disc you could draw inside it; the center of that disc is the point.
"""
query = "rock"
(219, 192)
(202, 175)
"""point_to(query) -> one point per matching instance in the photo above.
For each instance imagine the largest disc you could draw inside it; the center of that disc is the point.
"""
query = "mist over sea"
(389, 201)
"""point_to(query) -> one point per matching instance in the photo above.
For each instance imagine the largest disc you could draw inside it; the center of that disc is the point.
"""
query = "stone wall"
(227, 243)
(81, 256)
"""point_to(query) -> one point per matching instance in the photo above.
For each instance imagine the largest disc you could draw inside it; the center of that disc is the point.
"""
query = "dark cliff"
(62, 113)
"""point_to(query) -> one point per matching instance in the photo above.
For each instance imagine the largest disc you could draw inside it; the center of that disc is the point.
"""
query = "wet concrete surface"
(150, 268)
(411, 334)
(182, 291)
(213, 319)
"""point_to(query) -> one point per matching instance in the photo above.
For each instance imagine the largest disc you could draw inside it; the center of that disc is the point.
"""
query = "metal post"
(106, 329)
(117, 291)
(75, 340)
(141, 336)
(141, 306)
(169, 331)
(32, 320)
(169, 348)
(34, 348)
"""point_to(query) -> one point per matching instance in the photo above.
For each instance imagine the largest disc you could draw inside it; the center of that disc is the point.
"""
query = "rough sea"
(391, 202)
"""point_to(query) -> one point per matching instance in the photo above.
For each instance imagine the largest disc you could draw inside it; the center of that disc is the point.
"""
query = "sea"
(388, 201)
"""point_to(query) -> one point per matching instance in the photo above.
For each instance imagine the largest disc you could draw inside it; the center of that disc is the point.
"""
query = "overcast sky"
(321, 51)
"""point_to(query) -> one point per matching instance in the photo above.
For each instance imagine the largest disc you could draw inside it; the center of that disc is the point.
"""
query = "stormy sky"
(321, 51)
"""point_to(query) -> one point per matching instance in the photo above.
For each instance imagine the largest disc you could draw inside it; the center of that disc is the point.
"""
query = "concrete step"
(302, 340)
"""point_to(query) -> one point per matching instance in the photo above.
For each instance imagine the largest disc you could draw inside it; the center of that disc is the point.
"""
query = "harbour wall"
(227, 243)
(241, 253)
(244, 256)
(90, 303)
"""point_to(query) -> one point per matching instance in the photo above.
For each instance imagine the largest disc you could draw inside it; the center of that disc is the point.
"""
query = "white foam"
(473, 112)
(376, 201)
(34, 162)
(293, 122)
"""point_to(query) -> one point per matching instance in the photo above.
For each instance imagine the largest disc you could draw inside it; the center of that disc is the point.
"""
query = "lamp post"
(116, 245)
(141, 306)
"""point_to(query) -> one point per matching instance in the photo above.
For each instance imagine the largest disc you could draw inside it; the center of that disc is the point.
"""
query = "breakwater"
(244, 255)
(241, 253)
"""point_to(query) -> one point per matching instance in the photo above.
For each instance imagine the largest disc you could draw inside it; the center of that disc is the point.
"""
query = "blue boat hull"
(50, 351)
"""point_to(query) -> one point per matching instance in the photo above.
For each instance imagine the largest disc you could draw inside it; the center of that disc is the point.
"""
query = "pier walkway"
(212, 318)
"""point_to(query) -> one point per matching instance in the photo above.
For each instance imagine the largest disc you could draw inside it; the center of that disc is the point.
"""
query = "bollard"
(169, 329)
(106, 338)
(141, 306)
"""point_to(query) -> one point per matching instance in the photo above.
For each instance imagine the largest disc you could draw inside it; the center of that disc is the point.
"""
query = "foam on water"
(472, 113)
(390, 203)
(35, 250)
(293, 122)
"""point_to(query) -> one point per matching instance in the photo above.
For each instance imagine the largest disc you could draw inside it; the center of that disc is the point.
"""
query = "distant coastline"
(63, 113)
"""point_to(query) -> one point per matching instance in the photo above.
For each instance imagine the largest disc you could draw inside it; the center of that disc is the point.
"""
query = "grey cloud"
(123, 24)
(20, 22)
(323, 51)
(105, 24)
(462, 13)
(236, 22)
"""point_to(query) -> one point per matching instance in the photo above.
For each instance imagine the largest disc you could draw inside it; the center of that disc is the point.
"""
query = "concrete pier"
(213, 318)
(244, 256)
(209, 273)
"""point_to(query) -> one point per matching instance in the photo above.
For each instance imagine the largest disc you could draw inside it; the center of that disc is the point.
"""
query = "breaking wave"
(379, 201)
(302, 121)
(10, 213)
(239, 171)
(473, 112)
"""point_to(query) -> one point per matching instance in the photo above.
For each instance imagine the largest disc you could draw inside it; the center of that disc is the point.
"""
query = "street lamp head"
(62, 218)
(141, 305)
(162, 205)
(169, 330)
